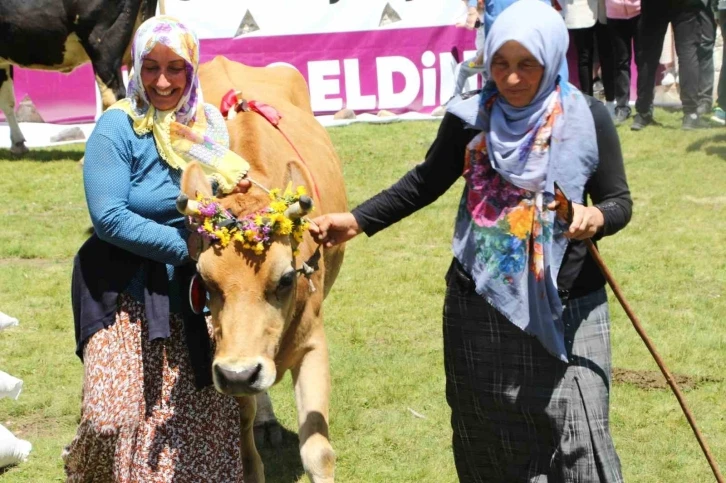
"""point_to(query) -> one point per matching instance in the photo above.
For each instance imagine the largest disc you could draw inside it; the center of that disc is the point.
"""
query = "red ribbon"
(229, 101)
(266, 111)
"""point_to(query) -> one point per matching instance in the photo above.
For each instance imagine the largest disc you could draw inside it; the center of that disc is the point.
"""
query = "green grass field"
(383, 318)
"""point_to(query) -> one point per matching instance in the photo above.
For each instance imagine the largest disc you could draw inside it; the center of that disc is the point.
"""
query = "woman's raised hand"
(242, 187)
(334, 228)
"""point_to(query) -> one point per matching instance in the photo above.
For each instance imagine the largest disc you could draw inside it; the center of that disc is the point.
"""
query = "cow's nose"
(237, 381)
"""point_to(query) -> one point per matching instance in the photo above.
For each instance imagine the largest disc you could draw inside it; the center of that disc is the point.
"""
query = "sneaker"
(702, 109)
(621, 114)
(669, 79)
(692, 121)
(640, 121)
(719, 116)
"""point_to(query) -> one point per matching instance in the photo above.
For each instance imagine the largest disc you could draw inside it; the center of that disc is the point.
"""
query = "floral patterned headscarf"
(193, 131)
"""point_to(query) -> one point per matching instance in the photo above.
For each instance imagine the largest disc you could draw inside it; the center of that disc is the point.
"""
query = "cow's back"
(266, 149)
(272, 85)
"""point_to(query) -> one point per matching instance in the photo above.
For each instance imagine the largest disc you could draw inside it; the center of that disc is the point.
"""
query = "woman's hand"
(471, 17)
(334, 228)
(242, 187)
(478, 61)
(586, 221)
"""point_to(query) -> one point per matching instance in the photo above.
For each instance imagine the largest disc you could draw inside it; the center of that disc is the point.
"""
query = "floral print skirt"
(142, 418)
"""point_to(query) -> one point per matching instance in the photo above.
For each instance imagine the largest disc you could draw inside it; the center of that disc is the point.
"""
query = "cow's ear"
(296, 175)
(195, 181)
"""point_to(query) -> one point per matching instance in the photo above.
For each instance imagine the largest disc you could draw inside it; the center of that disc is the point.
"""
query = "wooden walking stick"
(564, 210)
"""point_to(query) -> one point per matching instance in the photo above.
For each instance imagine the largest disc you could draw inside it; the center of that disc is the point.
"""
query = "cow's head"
(252, 292)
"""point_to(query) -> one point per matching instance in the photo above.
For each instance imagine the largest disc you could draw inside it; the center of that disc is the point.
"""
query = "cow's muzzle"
(240, 381)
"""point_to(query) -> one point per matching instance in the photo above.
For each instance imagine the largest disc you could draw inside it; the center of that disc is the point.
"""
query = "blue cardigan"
(131, 193)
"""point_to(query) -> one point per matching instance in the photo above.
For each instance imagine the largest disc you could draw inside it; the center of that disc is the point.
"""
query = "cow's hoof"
(268, 434)
(18, 149)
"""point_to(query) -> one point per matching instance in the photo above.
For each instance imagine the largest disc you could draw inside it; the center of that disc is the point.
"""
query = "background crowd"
(608, 35)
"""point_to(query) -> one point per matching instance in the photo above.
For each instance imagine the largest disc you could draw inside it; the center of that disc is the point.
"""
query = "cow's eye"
(286, 281)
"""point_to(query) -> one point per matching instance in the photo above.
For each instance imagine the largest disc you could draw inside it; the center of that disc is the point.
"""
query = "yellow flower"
(259, 248)
(224, 236)
(259, 221)
(208, 227)
(250, 234)
(520, 221)
(274, 194)
(278, 206)
(301, 191)
(285, 227)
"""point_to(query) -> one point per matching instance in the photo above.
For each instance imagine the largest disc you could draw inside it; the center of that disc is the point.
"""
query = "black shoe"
(693, 121)
(621, 114)
(703, 109)
(640, 121)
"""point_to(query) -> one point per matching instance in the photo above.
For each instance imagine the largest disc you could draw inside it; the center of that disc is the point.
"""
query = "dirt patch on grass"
(650, 380)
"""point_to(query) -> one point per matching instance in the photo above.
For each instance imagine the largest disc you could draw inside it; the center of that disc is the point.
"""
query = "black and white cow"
(63, 34)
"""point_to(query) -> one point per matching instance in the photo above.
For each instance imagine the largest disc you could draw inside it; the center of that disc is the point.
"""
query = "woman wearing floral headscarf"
(526, 325)
(149, 412)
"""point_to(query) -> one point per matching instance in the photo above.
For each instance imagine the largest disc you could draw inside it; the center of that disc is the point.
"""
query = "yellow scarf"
(205, 141)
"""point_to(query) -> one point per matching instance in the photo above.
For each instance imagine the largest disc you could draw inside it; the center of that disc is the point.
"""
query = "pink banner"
(398, 70)
(59, 98)
(394, 69)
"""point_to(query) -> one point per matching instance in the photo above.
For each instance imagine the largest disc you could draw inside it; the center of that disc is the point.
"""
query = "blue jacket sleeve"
(107, 182)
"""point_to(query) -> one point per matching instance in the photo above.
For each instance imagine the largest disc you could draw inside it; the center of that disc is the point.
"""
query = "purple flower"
(208, 210)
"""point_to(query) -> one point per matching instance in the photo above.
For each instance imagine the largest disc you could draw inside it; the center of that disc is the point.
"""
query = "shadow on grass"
(714, 145)
(44, 155)
(282, 464)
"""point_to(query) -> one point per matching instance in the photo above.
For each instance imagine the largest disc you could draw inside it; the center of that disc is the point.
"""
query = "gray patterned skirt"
(518, 413)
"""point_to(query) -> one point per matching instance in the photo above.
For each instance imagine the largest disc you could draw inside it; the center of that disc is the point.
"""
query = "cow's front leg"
(267, 429)
(254, 470)
(312, 394)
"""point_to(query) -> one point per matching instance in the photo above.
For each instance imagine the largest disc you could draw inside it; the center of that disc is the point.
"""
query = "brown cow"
(266, 318)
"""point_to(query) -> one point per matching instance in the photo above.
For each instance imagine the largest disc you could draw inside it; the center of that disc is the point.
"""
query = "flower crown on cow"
(284, 216)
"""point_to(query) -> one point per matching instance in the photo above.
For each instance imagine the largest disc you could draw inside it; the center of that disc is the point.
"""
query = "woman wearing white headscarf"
(149, 412)
(526, 325)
